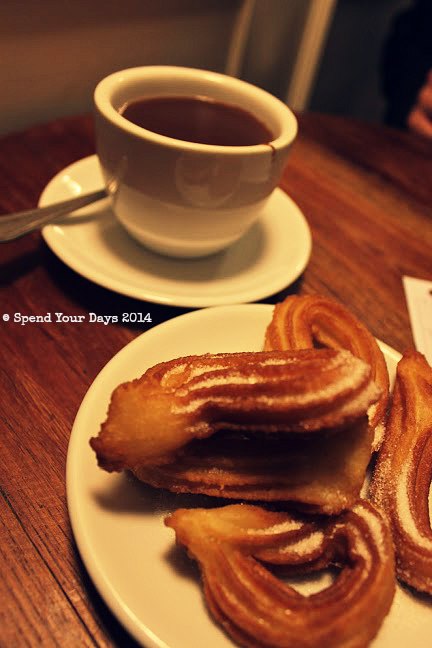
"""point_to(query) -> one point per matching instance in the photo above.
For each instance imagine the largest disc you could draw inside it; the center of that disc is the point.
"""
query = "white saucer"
(268, 258)
(117, 522)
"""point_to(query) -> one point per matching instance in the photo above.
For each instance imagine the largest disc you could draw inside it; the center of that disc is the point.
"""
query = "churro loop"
(278, 425)
(305, 321)
(403, 472)
(234, 545)
(303, 392)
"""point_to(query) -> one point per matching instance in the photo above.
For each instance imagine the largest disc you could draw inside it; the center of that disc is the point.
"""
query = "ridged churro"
(284, 425)
(403, 472)
(236, 545)
(301, 322)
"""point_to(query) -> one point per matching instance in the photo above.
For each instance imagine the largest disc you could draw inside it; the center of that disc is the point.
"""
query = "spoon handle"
(12, 226)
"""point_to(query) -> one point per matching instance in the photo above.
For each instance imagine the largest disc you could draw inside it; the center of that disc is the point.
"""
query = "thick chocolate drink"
(197, 119)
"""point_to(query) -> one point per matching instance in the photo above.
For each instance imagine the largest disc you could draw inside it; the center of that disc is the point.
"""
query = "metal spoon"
(12, 226)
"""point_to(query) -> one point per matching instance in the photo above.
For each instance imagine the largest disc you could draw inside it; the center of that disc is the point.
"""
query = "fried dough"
(259, 425)
(403, 472)
(302, 322)
(237, 545)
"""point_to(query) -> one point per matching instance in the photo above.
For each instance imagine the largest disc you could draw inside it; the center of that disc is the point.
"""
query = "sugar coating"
(362, 549)
(404, 512)
(281, 527)
(307, 545)
(353, 375)
(375, 526)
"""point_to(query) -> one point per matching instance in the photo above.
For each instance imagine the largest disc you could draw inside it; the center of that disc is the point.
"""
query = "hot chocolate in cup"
(190, 157)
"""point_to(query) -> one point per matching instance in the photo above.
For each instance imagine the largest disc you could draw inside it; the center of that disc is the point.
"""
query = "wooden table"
(367, 194)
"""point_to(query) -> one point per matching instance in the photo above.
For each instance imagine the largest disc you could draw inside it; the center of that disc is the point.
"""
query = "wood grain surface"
(366, 192)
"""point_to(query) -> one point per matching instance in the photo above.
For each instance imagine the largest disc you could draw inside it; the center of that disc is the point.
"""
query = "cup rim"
(104, 90)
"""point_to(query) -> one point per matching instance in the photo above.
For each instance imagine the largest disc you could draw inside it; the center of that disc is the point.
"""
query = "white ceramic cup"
(182, 198)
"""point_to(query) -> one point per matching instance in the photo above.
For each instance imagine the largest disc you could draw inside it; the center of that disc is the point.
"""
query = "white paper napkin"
(418, 293)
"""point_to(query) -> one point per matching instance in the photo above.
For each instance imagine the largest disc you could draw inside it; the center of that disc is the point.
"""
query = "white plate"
(151, 587)
(270, 256)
